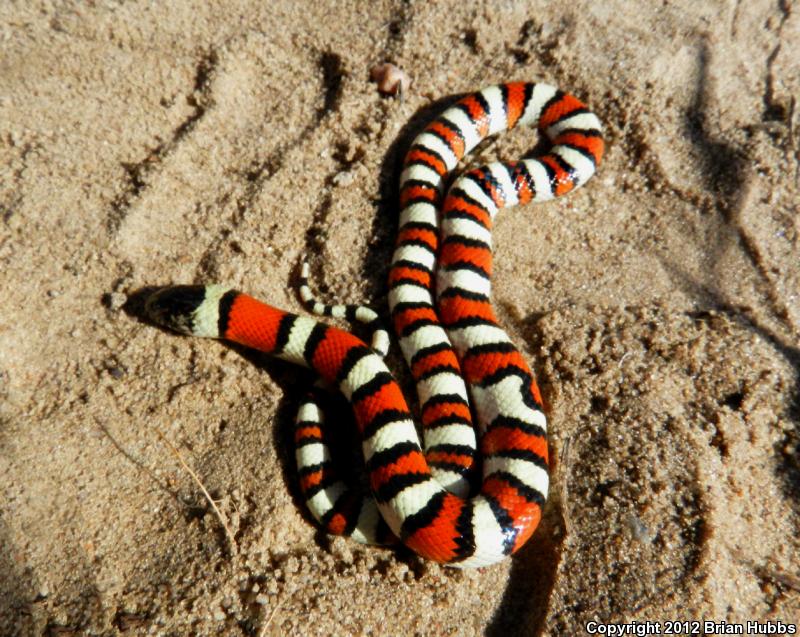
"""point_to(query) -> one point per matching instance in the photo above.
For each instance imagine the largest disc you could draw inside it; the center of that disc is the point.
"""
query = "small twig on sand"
(263, 631)
(203, 489)
(566, 463)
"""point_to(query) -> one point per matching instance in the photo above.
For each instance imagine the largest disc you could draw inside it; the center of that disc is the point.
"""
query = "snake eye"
(174, 307)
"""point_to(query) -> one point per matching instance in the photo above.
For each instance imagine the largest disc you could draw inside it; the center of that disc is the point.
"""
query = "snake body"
(439, 297)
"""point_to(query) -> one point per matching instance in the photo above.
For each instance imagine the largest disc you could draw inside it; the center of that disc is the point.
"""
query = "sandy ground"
(145, 144)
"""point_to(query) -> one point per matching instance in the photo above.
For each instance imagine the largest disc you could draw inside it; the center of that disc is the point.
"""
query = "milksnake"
(439, 289)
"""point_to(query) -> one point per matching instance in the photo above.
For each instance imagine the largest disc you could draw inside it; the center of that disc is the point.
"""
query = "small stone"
(344, 178)
(116, 300)
(390, 79)
(638, 529)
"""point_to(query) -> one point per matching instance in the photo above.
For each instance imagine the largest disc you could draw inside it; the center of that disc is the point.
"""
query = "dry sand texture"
(147, 143)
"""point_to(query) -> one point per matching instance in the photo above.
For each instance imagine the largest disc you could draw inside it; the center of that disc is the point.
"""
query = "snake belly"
(470, 377)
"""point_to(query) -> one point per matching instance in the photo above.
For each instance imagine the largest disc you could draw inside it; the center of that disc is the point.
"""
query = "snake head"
(187, 309)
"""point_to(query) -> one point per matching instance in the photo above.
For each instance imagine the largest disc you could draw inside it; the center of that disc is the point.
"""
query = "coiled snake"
(439, 291)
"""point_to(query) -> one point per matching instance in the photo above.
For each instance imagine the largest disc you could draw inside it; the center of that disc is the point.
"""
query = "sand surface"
(153, 143)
